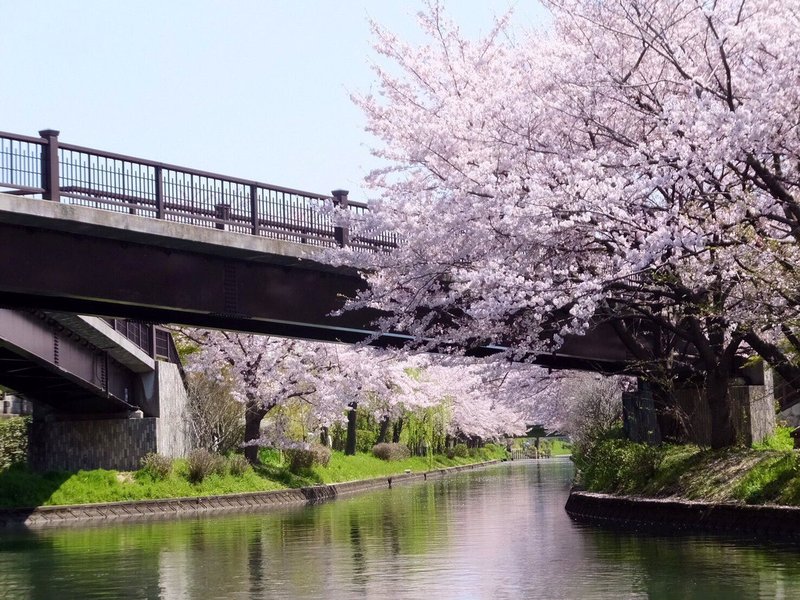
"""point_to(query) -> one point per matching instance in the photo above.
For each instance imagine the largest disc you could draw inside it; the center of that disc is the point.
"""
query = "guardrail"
(45, 168)
(156, 341)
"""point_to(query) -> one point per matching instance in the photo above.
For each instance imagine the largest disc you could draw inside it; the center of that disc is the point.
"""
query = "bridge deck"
(177, 245)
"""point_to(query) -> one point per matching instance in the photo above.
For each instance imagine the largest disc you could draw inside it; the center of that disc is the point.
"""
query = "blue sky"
(256, 89)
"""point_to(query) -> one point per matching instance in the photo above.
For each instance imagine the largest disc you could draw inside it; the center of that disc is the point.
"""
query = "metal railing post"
(254, 209)
(222, 212)
(341, 234)
(159, 175)
(50, 167)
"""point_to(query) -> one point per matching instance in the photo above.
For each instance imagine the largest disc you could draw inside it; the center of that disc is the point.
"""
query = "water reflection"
(496, 533)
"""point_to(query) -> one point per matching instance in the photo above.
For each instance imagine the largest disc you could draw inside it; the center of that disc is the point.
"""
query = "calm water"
(497, 533)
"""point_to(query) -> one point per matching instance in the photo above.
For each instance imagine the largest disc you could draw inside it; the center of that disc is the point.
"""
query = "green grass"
(560, 448)
(761, 475)
(21, 488)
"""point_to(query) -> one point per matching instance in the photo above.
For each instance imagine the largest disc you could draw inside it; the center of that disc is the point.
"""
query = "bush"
(460, 451)
(156, 466)
(391, 451)
(203, 463)
(365, 438)
(300, 458)
(617, 466)
(13, 441)
(238, 465)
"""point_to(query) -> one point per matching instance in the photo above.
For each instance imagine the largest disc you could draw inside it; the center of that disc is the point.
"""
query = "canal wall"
(170, 508)
(671, 515)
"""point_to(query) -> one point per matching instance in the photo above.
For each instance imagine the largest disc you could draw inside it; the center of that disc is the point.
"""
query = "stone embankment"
(180, 507)
(670, 515)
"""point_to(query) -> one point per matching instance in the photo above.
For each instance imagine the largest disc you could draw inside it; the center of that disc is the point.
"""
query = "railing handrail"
(47, 161)
(23, 138)
(198, 172)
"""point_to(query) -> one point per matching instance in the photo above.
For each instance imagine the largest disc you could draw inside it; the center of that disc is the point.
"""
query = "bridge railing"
(46, 168)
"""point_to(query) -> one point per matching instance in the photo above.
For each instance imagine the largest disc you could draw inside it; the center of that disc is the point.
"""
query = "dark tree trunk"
(719, 406)
(325, 437)
(397, 430)
(253, 415)
(350, 444)
(384, 430)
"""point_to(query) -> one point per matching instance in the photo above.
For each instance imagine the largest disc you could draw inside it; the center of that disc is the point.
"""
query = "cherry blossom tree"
(265, 372)
(634, 162)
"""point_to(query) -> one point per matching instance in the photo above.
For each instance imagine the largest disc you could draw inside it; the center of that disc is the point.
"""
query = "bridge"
(176, 245)
(88, 232)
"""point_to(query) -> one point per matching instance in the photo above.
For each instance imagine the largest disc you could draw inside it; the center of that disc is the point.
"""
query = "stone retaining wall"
(669, 515)
(179, 507)
(116, 444)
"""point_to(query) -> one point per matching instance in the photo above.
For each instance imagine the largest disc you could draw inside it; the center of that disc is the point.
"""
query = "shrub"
(460, 451)
(617, 466)
(203, 463)
(300, 458)
(391, 451)
(238, 465)
(13, 441)
(156, 466)
(365, 438)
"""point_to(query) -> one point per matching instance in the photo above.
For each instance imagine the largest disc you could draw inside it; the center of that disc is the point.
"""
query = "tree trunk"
(253, 415)
(350, 444)
(396, 430)
(325, 437)
(384, 430)
(719, 406)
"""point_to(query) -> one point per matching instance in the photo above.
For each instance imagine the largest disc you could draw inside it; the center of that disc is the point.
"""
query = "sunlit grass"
(21, 488)
(760, 475)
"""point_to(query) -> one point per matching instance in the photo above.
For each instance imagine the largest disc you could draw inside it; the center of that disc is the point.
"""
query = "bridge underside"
(86, 261)
(50, 364)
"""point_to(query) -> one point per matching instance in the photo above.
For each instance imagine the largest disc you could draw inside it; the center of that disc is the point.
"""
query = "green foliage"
(617, 466)
(365, 438)
(270, 457)
(391, 451)
(13, 441)
(426, 429)
(301, 459)
(156, 466)
(545, 448)
(202, 463)
(780, 440)
(460, 450)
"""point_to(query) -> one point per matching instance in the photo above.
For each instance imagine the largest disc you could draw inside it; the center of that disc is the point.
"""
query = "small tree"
(216, 419)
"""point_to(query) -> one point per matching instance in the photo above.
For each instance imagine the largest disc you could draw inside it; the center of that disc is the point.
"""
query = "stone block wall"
(108, 444)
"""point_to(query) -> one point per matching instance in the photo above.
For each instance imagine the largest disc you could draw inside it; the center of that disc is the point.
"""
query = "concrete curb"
(171, 508)
(671, 515)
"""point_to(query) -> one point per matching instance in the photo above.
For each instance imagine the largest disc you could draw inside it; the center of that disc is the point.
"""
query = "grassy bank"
(767, 474)
(21, 488)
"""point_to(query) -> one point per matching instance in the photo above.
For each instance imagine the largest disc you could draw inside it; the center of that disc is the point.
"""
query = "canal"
(499, 532)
